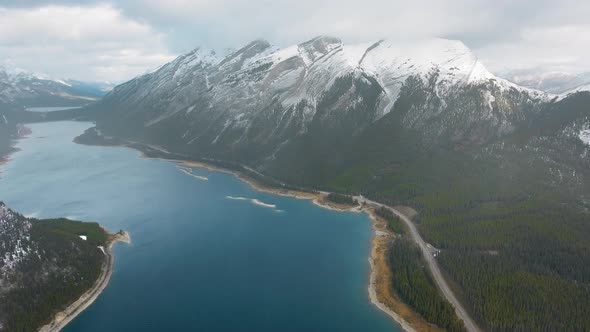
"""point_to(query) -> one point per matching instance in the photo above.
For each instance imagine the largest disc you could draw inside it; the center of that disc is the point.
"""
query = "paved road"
(470, 325)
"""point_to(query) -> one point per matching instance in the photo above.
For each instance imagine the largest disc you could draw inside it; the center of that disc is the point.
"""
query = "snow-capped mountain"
(297, 107)
(20, 89)
(305, 71)
(581, 88)
(265, 96)
(93, 88)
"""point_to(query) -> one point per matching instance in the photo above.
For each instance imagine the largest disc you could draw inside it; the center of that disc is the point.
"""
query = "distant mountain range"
(551, 82)
(21, 90)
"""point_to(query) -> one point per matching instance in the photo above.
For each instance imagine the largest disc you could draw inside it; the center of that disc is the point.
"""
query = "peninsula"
(50, 270)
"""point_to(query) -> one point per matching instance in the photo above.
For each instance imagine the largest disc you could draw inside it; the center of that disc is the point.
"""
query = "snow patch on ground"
(15, 240)
(573, 91)
(584, 136)
(489, 99)
(63, 82)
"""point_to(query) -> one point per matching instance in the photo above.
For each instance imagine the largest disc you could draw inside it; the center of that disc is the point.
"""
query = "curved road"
(470, 324)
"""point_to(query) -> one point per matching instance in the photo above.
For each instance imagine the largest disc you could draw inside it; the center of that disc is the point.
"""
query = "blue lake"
(199, 260)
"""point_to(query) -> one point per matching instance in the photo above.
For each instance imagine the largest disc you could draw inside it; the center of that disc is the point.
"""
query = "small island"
(50, 270)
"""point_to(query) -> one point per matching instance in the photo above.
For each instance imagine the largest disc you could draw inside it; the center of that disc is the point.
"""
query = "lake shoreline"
(378, 274)
(379, 289)
(5, 156)
(380, 293)
(62, 318)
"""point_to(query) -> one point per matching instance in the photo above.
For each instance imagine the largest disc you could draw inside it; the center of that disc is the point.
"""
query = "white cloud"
(127, 37)
(504, 33)
(292, 21)
(91, 43)
(550, 48)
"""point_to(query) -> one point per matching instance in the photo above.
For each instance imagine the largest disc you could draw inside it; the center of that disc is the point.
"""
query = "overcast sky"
(116, 40)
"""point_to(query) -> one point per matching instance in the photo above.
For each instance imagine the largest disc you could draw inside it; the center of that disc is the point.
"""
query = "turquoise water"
(199, 261)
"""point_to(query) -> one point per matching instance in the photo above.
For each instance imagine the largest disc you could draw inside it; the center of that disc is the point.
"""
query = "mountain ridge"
(295, 79)
(20, 89)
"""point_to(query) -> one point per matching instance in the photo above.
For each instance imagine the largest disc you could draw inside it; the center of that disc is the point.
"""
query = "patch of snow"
(283, 54)
(63, 82)
(584, 136)
(566, 94)
(15, 239)
(489, 99)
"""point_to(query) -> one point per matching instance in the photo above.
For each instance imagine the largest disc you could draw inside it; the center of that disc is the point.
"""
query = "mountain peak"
(318, 47)
(322, 41)
(251, 50)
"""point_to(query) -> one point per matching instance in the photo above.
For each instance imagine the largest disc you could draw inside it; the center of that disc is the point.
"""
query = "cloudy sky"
(116, 40)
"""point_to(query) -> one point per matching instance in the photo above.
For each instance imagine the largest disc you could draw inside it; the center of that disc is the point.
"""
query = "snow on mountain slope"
(323, 59)
(16, 240)
(452, 61)
(264, 95)
(20, 89)
(308, 69)
(581, 88)
(584, 136)
(552, 82)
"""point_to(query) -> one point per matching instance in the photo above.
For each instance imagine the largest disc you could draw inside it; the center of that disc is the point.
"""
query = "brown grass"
(383, 278)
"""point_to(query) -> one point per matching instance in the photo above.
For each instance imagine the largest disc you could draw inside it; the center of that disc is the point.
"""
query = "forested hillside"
(44, 266)
(413, 283)
(511, 217)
